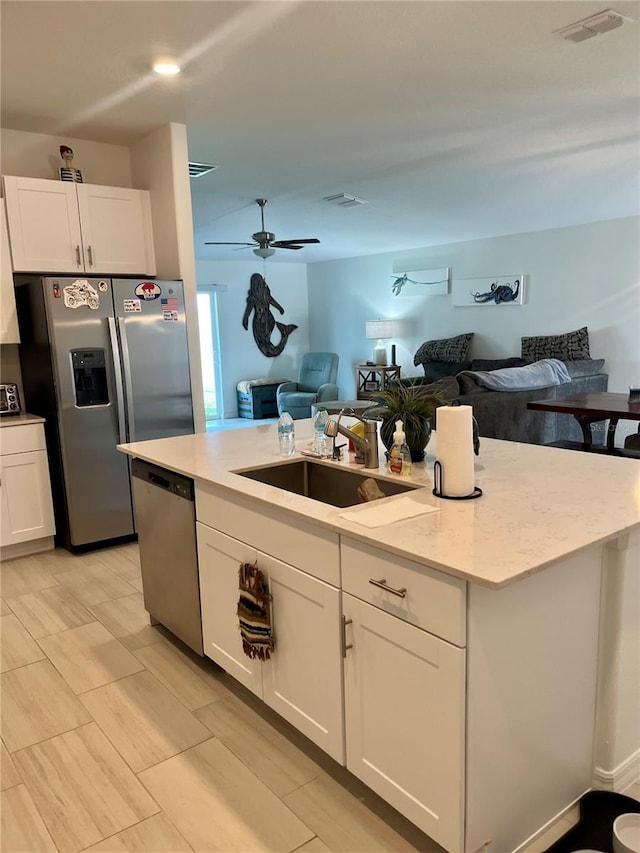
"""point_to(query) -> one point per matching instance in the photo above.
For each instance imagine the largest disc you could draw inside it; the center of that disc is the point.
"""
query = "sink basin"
(327, 483)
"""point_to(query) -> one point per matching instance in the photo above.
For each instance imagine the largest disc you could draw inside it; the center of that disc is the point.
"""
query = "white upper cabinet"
(8, 319)
(63, 227)
(116, 230)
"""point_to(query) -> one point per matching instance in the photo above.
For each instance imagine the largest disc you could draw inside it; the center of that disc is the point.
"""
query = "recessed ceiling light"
(166, 67)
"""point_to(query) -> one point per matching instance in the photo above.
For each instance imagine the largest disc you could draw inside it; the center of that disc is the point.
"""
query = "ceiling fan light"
(264, 253)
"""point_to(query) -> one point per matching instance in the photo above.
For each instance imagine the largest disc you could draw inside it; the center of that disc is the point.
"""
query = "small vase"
(417, 439)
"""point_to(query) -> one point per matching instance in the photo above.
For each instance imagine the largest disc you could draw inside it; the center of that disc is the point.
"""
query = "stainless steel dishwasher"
(166, 523)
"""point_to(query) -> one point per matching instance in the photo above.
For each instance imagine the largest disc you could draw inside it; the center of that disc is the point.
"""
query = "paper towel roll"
(454, 449)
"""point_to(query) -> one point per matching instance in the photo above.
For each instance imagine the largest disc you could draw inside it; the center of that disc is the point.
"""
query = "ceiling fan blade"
(288, 244)
(229, 244)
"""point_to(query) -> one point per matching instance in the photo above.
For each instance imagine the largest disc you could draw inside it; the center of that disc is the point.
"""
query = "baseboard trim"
(25, 549)
(625, 774)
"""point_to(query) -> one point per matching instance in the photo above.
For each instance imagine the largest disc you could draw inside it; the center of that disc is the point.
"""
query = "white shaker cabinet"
(8, 318)
(219, 558)
(405, 718)
(404, 685)
(64, 227)
(302, 680)
(27, 523)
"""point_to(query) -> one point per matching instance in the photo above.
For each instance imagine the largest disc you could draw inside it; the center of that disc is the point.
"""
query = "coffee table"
(589, 408)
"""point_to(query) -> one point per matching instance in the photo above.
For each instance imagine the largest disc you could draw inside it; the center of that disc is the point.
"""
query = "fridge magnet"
(148, 290)
(81, 293)
(259, 301)
(131, 305)
(67, 172)
(433, 282)
(169, 309)
(103, 286)
(498, 290)
(56, 290)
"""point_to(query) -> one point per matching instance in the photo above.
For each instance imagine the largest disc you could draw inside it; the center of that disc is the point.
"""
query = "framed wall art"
(495, 291)
(421, 282)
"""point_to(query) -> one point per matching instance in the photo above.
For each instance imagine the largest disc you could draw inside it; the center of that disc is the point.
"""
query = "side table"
(372, 378)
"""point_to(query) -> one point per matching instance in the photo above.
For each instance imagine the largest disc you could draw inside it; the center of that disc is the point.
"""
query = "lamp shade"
(378, 329)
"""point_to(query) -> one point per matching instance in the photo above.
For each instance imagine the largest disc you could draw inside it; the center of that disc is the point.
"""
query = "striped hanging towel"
(254, 613)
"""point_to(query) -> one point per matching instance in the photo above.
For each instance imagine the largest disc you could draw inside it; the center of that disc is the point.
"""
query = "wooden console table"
(590, 408)
(371, 378)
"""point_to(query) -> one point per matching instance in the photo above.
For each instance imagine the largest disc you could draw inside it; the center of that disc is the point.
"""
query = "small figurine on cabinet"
(67, 172)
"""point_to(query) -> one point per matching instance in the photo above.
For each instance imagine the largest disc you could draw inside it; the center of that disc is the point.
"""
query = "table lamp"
(378, 330)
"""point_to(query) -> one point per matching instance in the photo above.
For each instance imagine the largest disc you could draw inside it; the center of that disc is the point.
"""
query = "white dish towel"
(392, 511)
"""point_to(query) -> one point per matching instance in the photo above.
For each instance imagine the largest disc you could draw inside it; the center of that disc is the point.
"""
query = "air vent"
(345, 200)
(593, 26)
(196, 170)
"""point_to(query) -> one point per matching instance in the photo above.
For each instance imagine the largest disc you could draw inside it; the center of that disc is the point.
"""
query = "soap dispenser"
(400, 455)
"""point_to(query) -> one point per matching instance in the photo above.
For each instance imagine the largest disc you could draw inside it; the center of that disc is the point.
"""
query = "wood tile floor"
(116, 738)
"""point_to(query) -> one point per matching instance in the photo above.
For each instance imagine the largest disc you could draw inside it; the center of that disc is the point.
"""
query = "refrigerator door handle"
(115, 353)
(126, 364)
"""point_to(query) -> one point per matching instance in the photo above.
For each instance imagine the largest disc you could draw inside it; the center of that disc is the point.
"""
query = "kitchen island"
(457, 661)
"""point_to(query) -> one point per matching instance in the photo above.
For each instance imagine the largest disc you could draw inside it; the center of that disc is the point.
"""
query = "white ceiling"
(455, 120)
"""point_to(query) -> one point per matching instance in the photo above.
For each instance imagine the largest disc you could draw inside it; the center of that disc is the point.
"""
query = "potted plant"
(414, 405)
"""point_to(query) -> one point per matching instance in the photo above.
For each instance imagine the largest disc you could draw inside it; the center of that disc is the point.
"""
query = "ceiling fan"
(265, 242)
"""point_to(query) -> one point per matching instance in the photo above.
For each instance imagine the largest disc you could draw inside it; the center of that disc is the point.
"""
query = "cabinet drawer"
(21, 438)
(312, 549)
(432, 600)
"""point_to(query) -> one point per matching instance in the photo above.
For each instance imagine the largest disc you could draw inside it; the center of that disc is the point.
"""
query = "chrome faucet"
(368, 445)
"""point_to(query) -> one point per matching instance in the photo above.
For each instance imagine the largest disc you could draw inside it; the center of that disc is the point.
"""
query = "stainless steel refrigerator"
(104, 361)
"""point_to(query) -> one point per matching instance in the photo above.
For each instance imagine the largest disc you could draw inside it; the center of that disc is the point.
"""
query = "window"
(210, 351)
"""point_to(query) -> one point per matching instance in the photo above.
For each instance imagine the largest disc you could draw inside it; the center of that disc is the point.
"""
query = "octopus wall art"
(260, 301)
(495, 291)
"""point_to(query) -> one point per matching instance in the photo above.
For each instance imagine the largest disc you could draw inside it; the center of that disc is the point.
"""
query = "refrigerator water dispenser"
(89, 377)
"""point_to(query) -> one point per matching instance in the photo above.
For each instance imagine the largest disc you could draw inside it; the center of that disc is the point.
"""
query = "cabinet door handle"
(345, 645)
(90, 253)
(78, 261)
(382, 583)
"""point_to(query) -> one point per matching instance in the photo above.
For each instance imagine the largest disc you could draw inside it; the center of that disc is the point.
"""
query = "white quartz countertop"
(20, 420)
(539, 504)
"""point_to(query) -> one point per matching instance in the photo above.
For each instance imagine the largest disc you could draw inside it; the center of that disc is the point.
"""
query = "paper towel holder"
(438, 486)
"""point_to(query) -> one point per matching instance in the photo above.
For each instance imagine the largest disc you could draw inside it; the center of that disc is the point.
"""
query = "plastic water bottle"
(286, 435)
(320, 421)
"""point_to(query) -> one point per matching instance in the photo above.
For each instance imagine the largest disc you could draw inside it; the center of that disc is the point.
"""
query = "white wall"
(159, 164)
(37, 155)
(241, 358)
(583, 275)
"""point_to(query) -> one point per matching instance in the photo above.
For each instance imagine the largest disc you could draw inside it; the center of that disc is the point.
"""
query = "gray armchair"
(316, 382)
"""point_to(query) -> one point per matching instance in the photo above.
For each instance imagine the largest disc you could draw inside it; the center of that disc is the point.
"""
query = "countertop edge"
(220, 463)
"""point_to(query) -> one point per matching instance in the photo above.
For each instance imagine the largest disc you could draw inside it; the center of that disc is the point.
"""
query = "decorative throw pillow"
(497, 363)
(567, 347)
(446, 349)
(434, 370)
(584, 367)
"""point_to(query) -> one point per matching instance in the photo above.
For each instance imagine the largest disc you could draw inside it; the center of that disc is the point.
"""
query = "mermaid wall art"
(260, 301)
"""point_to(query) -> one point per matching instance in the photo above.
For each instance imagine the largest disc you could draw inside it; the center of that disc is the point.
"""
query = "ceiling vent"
(593, 26)
(345, 200)
(196, 170)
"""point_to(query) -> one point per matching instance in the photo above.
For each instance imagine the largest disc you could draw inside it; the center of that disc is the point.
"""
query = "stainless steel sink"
(328, 483)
